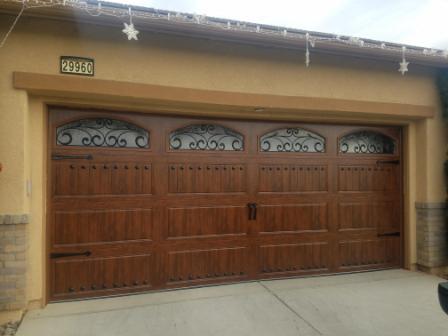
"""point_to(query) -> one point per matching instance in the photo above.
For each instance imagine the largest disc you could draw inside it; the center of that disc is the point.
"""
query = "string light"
(356, 41)
(2, 43)
(98, 10)
(198, 18)
(152, 14)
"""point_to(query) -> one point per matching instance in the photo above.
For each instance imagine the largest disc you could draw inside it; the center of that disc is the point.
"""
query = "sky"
(416, 22)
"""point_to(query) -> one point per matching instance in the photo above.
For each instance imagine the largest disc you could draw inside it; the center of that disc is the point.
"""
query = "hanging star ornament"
(403, 64)
(403, 67)
(130, 31)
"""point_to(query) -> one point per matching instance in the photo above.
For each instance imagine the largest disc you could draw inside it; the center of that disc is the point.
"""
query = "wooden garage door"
(144, 202)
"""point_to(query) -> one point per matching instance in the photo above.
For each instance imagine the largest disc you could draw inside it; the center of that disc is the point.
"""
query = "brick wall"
(13, 263)
(432, 236)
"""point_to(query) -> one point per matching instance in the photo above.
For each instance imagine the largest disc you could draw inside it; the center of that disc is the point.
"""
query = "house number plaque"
(77, 66)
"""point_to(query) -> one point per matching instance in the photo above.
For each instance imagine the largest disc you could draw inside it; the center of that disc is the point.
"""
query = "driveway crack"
(289, 307)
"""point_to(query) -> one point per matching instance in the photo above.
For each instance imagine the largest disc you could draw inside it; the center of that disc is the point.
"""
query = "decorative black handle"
(71, 157)
(252, 210)
(396, 162)
(250, 207)
(389, 234)
(70, 254)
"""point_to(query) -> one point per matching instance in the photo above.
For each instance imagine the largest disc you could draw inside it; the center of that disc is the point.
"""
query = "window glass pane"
(102, 132)
(206, 137)
(366, 142)
(292, 140)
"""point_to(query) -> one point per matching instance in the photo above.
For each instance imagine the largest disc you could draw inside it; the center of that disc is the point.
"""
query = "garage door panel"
(100, 250)
(355, 216)
(100, 276)
(206, 222)
(102, 178)
(368, 214)
(386, 215)
(368, 177)
(70, 179)
(97, 203)
(293, 218)
(277, 259)
(206, 178)
(102, 226)
(290, 178)
(189, 267)
(367, 253)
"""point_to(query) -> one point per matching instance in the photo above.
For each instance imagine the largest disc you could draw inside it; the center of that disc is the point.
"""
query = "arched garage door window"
(102, 132)
(366, 142)
(206, 137)
(292, 140)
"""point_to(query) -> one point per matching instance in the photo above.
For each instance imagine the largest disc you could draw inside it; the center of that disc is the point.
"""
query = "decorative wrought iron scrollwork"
(292, 140)
(206, 137)
(366, 142)
(102, 132)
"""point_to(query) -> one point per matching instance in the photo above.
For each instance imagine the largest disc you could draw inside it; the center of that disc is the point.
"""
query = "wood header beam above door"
(199, 101)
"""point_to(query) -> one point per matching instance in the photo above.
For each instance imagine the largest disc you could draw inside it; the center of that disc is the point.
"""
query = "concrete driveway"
(394, 302)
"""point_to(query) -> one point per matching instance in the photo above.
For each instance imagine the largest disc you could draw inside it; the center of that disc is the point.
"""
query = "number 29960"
(77, 65)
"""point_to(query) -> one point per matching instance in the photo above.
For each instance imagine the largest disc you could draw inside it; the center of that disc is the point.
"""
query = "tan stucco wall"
(35, 46)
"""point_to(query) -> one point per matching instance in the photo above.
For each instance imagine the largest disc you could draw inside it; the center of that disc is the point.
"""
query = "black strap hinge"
(69, 254)
(395, 162)
(71, 157)
(389, 234)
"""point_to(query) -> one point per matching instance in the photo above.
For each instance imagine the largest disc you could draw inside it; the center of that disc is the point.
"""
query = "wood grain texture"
(193, 222)
(367, 253)
(102, 178)
(102, 226)
(156, 217)
(368, 178)
(86, 277)
(293, 217)
(292, 178)
(294, 258)
(196, 266)
(206, 178)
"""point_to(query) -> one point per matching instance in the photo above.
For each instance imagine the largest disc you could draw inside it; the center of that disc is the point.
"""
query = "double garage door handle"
(252, 211)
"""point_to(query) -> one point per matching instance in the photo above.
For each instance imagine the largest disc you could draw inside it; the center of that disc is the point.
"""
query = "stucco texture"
(36, 45)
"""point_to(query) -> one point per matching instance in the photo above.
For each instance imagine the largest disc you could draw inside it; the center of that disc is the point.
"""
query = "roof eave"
(149, 19)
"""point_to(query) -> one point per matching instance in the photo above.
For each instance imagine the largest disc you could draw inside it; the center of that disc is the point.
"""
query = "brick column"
(432, 237)
(13, 263)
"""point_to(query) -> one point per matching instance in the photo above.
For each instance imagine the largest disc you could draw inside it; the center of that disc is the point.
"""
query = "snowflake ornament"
(403, 64)
(403, 67)
(130, 31)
